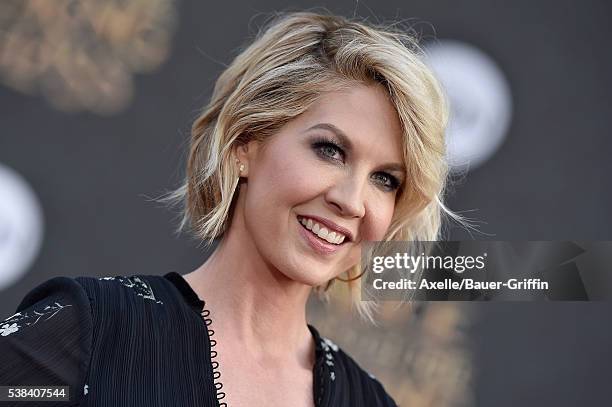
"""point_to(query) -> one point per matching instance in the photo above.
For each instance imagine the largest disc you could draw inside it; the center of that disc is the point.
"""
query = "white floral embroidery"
(10, 325)
(6, 329)
(140, 287)
(328, 346)
(86, 389)
(13, 316)
(327, 343)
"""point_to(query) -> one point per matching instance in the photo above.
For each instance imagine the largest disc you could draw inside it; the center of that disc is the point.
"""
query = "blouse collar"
(185, 289)
(194, 300)
(322, 371)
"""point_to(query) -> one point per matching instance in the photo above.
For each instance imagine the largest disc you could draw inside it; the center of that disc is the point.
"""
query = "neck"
(253, 304)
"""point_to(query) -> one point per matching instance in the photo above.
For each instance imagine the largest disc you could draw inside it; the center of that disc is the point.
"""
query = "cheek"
(290, 178)
(375, 225)
(379, 216)
(282, 179)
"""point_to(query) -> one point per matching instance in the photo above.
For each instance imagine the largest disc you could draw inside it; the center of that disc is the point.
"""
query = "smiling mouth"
(321, 233)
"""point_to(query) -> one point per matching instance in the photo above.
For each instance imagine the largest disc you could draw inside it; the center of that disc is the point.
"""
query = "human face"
(300, 173)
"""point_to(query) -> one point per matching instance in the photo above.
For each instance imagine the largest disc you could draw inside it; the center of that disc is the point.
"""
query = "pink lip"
(319, 245)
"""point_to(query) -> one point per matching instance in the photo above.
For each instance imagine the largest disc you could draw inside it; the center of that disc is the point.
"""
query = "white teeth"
(323, 232)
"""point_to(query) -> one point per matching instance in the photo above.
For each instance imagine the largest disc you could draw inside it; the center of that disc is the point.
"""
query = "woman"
(323, 134)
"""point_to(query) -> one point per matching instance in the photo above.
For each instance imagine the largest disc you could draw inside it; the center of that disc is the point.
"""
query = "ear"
(247, 154)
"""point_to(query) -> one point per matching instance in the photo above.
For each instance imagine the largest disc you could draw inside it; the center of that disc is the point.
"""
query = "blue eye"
(328, 149)
(388, 181)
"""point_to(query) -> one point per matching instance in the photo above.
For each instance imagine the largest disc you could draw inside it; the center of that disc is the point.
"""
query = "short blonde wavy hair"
(297, 58)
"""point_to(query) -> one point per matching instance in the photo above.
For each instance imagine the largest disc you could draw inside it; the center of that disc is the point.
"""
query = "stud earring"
(241, 168)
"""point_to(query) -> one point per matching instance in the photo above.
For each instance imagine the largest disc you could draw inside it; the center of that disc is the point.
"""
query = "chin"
(298, 267)
(307, 277)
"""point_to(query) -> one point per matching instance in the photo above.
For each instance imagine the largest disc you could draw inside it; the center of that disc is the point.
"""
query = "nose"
(346, 195)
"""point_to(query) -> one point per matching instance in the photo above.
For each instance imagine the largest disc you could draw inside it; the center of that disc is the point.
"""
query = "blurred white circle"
(21, 226)
(480, 101)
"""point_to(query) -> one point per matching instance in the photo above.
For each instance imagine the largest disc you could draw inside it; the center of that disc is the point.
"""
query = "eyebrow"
(345, 143)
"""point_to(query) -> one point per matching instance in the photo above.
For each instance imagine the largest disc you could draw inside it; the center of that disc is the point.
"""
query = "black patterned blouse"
(142, 340)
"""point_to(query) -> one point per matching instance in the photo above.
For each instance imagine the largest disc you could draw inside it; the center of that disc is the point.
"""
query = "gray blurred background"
(96, 103)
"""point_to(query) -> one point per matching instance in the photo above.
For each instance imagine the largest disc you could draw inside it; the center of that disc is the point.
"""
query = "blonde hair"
(279, 76)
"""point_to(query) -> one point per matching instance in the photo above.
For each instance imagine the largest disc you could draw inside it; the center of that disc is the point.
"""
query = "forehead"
(366, 115)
